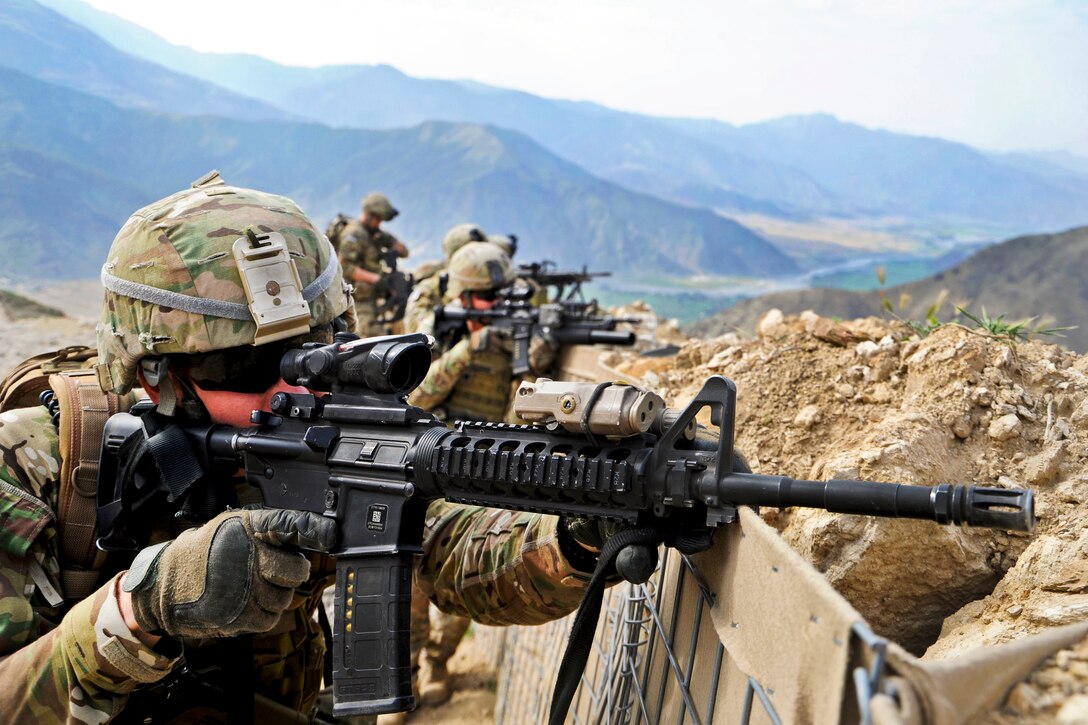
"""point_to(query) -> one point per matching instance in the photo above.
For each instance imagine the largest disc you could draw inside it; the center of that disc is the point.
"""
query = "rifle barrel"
(944, 503)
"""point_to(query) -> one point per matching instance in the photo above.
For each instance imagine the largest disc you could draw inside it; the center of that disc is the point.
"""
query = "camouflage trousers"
(434, 634)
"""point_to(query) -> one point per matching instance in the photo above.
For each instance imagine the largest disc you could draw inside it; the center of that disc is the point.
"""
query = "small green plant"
(921, 328)
(1020, 330)
(996, 327)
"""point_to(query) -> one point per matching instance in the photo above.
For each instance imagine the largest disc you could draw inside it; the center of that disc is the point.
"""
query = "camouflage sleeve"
(419, 313)
(402, 250)
(542, 356)
(442, 376)
(81, 671)
(497, 567)
(351, 251)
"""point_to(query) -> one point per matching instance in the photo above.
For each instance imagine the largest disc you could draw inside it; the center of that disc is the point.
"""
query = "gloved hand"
(489, 338)
(635, 563)
(233, 575)
(591, 533)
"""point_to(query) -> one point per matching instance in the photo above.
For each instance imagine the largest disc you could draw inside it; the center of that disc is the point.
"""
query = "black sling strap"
(585, 622)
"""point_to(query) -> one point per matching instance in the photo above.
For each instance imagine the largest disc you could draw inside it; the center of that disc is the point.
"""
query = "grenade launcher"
(360, 454)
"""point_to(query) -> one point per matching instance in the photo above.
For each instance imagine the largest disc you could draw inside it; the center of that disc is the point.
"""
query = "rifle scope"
(394, 364)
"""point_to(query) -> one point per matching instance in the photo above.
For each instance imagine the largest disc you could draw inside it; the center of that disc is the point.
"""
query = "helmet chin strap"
(169, 391)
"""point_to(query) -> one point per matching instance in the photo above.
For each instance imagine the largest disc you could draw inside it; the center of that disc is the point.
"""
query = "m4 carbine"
(567, 284)
(562, 323)
(361, 455)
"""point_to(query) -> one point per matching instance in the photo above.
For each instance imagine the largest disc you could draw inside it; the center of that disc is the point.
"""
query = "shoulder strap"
(21, 387)
(84, 409)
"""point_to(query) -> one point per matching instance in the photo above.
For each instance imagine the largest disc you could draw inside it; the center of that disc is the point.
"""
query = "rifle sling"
(585, 622)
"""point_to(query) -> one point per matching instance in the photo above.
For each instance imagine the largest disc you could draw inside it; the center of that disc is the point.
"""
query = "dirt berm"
(819, 399)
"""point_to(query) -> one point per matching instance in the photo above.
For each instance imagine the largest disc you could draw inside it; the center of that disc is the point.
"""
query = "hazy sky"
(1000, 74)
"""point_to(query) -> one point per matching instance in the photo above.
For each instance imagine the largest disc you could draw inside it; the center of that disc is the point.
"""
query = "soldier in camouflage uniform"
(363, 245)
(178, 321)
(472, 380)
(427, 293)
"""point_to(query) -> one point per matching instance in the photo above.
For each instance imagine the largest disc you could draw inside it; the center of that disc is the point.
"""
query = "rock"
(770, 322)
(866, 349)
(834, 332)
(1042, 467)
(846, 390)
(1080, 415)
(1074, 711)
(808, 417)
(962, 426)
(1006, 427)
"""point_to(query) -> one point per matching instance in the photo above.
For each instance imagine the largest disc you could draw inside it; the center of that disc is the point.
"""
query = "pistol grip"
(371, 670)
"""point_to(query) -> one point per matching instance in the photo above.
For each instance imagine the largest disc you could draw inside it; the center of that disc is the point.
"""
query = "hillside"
(76, 161)
(789, 167)
(1040, 275)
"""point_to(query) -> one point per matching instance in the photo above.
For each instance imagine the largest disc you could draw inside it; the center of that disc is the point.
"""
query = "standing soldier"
(364, 246)
(471, 380)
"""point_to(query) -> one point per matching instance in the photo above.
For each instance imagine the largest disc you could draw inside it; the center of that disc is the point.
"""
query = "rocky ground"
(868, 399)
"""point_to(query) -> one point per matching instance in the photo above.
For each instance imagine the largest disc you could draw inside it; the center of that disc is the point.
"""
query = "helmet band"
(203, 306)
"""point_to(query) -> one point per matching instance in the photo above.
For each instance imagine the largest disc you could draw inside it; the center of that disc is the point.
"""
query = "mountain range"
(84, 163)
(790, 167)
(99, 116)
(1038, 276)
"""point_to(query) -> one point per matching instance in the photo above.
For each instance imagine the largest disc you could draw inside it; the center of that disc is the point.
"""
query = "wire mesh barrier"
(657, 658)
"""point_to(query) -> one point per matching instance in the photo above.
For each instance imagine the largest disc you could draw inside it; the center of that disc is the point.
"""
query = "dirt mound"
(819, 399)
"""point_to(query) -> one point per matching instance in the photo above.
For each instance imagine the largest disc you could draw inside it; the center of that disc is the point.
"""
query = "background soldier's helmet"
(506, 242)
(478, 267)
(459, 236)
(173, 283)
(378, 205)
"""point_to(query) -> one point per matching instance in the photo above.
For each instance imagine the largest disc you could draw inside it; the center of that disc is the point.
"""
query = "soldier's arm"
(542, 356)
(397, 246)
(419, 312)
(500, 567)
(442, 376)
(84, 667)
(351, 251)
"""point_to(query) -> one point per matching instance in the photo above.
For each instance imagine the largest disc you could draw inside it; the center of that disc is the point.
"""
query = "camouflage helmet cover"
(506, 242)
(459, 236)
(172, 284)
(378, 205)
(478, 267)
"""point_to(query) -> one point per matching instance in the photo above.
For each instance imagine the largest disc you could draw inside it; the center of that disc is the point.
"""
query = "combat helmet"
(478, 267)
(459, 236)
(210, 268)
(378, 205)
(506, 242)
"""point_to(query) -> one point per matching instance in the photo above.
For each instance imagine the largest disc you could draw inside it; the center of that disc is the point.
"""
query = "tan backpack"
(80, 409)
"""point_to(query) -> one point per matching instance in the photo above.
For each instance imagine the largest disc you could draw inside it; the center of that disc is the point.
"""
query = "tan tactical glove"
(490, 338)
(233, 575)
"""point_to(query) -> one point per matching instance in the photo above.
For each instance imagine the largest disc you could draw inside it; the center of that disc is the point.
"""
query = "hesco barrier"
(748, 632)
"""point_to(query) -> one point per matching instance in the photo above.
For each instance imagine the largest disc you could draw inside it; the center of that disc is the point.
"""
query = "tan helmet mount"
(272, 285)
